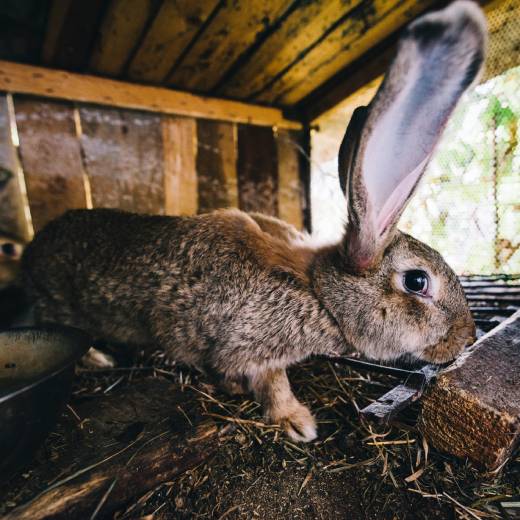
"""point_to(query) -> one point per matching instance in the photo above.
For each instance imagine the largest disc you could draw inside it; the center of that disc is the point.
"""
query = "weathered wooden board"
(235, 27)
(12, 214)
(303, 27)
(51, 158)
(38, 81)
(180, 170)
(216, 165)
(174, 26)
(257, 170)
(123, 24)
(123, 159)
(71, 28)
(367, 25)
(126, 443)
(290, 189)
(473, 409)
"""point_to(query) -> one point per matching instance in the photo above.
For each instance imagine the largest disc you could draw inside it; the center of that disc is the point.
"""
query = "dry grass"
(355, 469)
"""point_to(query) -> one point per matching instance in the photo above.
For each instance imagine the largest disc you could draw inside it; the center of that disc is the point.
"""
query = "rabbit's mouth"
(460, 335)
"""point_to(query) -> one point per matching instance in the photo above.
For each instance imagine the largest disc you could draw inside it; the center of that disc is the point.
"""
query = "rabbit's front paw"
(94, 358)
(296, 420)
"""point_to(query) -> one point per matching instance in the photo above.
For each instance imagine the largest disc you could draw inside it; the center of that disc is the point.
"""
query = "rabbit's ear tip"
(457, 17)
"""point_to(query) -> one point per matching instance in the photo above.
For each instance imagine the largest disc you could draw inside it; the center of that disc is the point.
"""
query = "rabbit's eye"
(416, 281)
(8, 249)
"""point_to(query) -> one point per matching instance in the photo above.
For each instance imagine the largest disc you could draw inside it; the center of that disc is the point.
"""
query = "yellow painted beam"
(173, 28)
(121, 28)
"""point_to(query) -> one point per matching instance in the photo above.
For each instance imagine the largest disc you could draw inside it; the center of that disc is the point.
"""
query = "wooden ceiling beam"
(300, 31)
(364, 28)
(174, 27)
(234, 29)
(26, 79)
(121, 30)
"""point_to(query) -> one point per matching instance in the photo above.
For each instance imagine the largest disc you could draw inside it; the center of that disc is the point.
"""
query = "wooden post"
(12, 213)
(216, 165)
(51, 158)
(180, 173)
(123, 158)
(257, 170)
(290, 189)
(473, 409)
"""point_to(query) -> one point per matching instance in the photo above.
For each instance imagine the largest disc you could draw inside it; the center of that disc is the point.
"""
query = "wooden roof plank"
(302, 28)
(235, 27)
(367, 26)
(70, 47)
(57, 84)
(122, 27)
(175, 25)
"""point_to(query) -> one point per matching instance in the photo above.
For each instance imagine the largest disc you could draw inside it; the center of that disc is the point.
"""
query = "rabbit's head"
(391, 294)
(10, 254)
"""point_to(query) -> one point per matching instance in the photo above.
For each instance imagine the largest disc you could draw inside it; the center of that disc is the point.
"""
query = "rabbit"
(11, 250)
(249, 295)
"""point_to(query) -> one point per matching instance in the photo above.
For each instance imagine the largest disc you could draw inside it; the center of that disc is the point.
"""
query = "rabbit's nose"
(8, 249)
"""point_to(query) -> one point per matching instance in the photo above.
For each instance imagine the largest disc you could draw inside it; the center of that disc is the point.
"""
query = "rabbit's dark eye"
(416, 281)
(8, 249)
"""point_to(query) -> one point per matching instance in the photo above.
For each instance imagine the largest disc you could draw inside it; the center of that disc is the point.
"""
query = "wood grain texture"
(70, 31)
(39, 81)
(473, 409)
(175, 25)
(136, 439)
(290, 190)
(367, 25)
(216, 165)
(120, 31)
(12, 214)
(123, 159)
(180, 168)
(302, 28)
(235, 27)
(257, 170)
(51, 158)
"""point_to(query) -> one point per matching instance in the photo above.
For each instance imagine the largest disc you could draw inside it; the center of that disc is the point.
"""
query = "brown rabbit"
(244, 294)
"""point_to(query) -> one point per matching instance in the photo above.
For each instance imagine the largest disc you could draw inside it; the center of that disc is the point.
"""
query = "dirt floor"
(354, 470)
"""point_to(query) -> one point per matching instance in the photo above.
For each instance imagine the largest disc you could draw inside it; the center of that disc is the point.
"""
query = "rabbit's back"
(202, 285)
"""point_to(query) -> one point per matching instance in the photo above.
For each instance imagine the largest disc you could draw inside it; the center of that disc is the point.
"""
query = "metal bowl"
(36, 371)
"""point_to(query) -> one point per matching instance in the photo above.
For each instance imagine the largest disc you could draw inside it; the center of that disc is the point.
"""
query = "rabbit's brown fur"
(246, 295)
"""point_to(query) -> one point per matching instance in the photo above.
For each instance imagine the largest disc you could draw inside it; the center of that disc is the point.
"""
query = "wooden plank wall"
(83, 156)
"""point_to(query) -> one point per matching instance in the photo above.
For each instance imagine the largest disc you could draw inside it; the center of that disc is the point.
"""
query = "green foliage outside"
(468, 205)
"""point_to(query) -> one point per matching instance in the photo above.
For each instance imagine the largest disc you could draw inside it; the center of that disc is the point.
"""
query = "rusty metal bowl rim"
(81, 340)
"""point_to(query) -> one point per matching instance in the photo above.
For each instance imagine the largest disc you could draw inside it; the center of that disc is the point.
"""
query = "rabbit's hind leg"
(272, 389)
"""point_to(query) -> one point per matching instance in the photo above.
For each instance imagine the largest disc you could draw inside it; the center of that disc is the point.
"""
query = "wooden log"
(473, 409)
(160, 460)
(129, 440)
(51, 158)
(257, 170)
(216, 165)
(57, 84)
(123, 159)
(180, 171)
(13, 220)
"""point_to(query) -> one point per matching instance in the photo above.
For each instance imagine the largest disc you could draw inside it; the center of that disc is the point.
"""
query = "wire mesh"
(468, 204)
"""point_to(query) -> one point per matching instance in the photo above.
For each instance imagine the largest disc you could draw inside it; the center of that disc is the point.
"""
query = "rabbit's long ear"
(388, 144)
